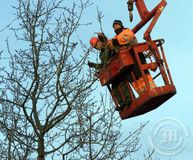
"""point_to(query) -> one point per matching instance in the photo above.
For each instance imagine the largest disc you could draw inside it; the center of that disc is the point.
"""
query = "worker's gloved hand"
(91, 64)
(102, 37)
(110, 45)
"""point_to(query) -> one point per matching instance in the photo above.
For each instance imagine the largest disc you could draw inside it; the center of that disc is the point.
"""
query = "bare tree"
(46, 102)
(104, 139)
(17, 142)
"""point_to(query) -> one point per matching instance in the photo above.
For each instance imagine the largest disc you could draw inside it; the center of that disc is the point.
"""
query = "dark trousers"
(120, 87)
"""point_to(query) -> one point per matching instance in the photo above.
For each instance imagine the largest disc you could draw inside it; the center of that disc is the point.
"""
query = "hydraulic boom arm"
(145, 15)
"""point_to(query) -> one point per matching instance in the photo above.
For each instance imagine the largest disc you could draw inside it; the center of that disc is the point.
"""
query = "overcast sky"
(176, 27)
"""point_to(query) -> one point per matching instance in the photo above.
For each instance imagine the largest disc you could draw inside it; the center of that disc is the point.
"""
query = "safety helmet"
(93, 41)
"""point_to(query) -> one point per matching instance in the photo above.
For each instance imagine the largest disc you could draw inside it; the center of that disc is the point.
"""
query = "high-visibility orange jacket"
(126, 37)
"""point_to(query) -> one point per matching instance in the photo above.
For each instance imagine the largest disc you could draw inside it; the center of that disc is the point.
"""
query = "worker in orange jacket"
(125, 37)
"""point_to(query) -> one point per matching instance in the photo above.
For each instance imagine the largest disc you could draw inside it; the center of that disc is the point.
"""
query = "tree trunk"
(9, 149)
(41, 152)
